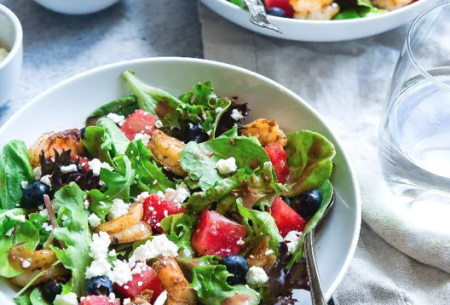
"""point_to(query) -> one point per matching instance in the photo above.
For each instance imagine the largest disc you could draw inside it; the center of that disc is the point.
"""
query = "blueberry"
(99, 285)
(195, 132)
(236, 265)
(276, 11)
(33, 195)
(308, 203)
(82, 131)
(51, 289)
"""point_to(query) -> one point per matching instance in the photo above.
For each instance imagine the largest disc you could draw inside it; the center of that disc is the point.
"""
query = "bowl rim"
(288, 21)
(18, 35)
(297, 98)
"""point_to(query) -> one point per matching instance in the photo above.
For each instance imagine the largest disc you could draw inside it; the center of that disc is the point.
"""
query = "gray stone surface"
(58, 46)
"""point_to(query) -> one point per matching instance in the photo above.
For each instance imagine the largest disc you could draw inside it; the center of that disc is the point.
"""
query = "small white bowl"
(10, 39)
(328, 30)
(76, 7)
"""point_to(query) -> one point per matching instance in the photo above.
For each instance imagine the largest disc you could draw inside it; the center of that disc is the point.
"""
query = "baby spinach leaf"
(147, 171)
(98, 143)
(122, 106)
(326, 189)
(15, 167)
(74, 233)
(179, 229)
(199, 160)
(212, 288)
(259, 224)
(119, 142)
(309, 156)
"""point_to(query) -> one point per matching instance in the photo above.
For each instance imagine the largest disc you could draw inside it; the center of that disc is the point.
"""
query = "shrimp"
(59, 141)
(391, 5)
(261, 256)
(173, 280)
(40, 260)
(137, 232)
(166, 151)
(266, 131)
(314, 9)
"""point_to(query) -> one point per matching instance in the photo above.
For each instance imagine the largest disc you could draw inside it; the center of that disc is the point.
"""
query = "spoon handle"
(258, 15)
(313, 273)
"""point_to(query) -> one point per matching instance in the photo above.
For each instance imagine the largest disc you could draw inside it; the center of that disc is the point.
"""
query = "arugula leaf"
(15, 167)
(122, 106)
(212, 288)
(38, 220)
(24, 239)
(179, 229)
(259, 224)
(119, 142)
(74, 233)
(36, 297)
(326, 189)
(199, 160)
(309, 156)
(147, 171)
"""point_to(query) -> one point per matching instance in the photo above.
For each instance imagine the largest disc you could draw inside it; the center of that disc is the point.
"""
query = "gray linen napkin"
(347, 83)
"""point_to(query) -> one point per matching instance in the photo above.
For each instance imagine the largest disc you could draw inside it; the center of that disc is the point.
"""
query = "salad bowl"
(67, 105)
(323, 30)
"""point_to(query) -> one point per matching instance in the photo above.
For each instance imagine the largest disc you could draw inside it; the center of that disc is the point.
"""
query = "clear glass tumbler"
(414, 137)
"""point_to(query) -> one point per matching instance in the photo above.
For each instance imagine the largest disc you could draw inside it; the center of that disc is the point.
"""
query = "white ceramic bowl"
(10, 39)
(330, 30)
(67, 105)
(76, 7)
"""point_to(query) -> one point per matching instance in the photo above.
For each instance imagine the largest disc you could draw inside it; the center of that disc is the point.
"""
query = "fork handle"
(313, 274)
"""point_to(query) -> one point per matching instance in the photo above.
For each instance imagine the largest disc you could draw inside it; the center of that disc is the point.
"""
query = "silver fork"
(258, 15)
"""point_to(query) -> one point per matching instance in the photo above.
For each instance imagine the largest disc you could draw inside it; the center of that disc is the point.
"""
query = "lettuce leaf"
(24, 298)
(212, 288)
(179, 229)
(122, 106)
(309, 156)
(147, 171)
(259, 224)
(38, 220)
(74, 233)
(326, 189)
(36, 297)
(15, 167)
(119, 142)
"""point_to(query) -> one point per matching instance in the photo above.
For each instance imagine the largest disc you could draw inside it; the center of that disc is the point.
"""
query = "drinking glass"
(414, 137)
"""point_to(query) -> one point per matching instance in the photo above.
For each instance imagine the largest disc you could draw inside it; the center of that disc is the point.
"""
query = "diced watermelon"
(283, 4)
(146, 279)
(286, 218)
(138, 122)
(99, 300)
(157, 208)
(278, 158)
(217, 235)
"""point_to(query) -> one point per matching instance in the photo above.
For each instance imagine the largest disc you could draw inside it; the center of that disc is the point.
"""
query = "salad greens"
(118, 208)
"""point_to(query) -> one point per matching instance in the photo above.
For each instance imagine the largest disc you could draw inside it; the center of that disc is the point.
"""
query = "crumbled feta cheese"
(159, 124)
(236, 115)
(240, 242)
(112, 297)
(99, 245)
(160, 195)
(24, 184)
(47, 227)
(291, 240)
(112, 253)
(26, 263)
(140, 283)
(219, 109)
(268, 252)
(126, 301)
(66, 299)
(94, 220)
(142, 196)
(64, 217)
(10, 215)
(96, 166)
(86, 204)
(118, 208)
(145, 252)
(209, 132)
(121, 273)
(145, 138)
(179, 195)
(9, 232)
(43, 213)
(46, 180)
(226, 166)
(69, 168)
(155, 182)
(116, 118)
(256, 276)
(161, 300)
(165, 246)
(37, 173)
(98, 267)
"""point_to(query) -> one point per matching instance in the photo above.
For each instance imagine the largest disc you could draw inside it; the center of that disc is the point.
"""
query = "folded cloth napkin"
(347, 83)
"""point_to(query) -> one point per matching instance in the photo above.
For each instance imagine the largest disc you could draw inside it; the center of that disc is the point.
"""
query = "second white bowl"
(76, 7)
